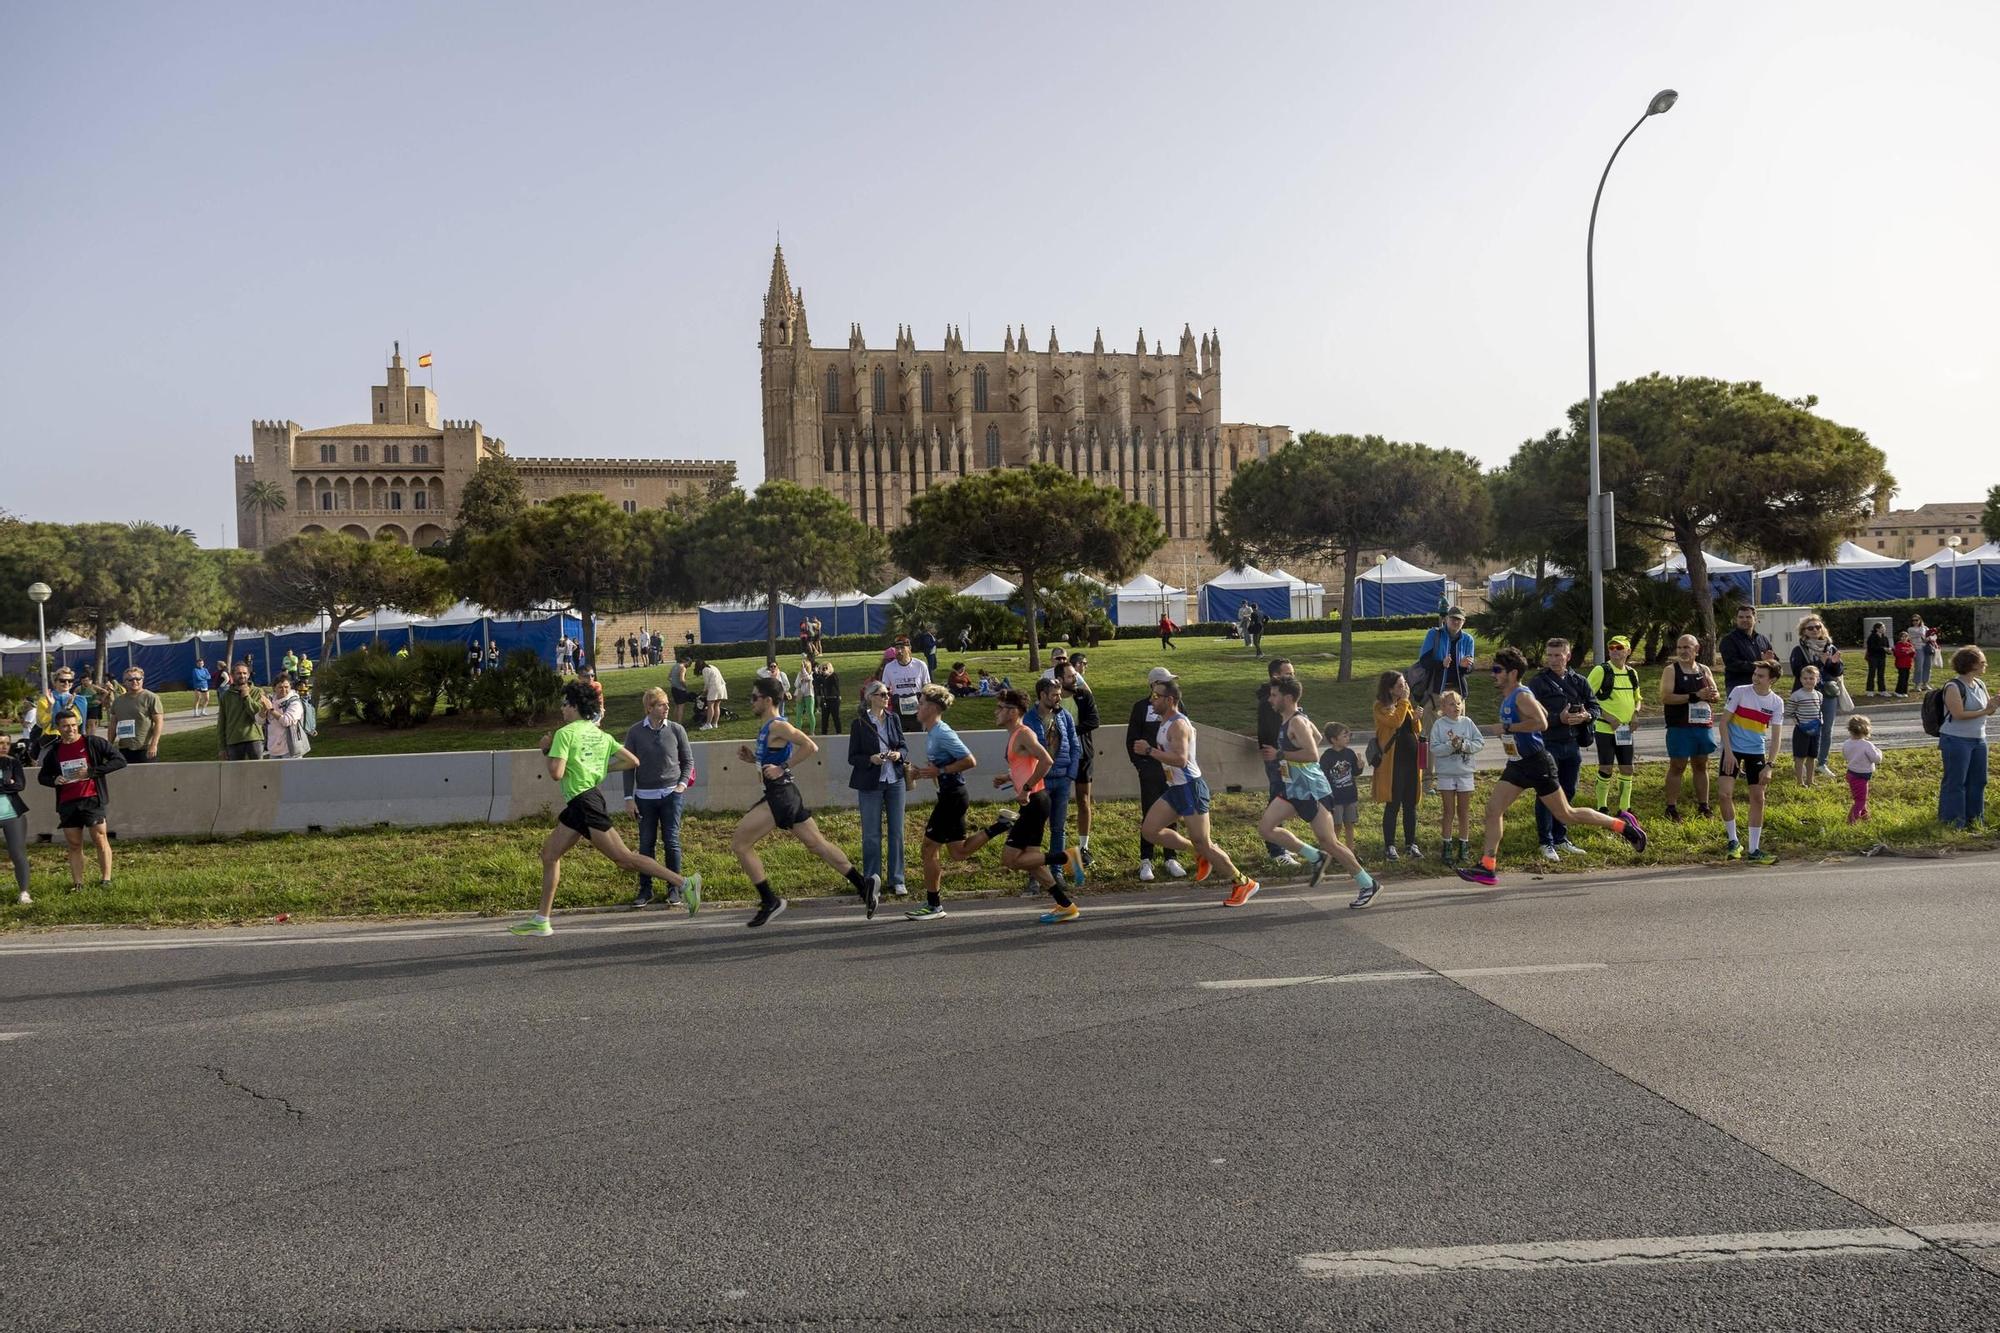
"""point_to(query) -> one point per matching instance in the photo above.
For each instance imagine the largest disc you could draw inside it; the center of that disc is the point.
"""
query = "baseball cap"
(1159, 676)
(1618, 641)
(1458, 611)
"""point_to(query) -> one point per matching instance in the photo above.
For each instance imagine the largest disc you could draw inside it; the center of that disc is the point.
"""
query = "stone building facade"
(400, 473)
(878, 426)
(1915, 534)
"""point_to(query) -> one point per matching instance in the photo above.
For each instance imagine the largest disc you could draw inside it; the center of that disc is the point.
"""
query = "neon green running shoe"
(1734, 851)
(924, 912)
(1763, 856)
(691, 894)
(532, 926)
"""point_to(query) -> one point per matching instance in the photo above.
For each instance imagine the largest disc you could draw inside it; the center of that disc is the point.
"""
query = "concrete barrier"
(417, 790)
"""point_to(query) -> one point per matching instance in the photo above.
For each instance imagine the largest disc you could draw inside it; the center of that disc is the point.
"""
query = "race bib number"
(907, 705)
(128, 729)
(75, 770)
(1623, 735)
(1508, 744)
(1284, 770)
(1700, 714)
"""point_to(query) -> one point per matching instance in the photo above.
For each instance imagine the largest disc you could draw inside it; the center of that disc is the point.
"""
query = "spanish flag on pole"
(424, 360)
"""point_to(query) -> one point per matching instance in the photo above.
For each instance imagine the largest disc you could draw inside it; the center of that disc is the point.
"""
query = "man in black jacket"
(1742, 648)
(1572, 708)
(1144, 725)
(76, 765)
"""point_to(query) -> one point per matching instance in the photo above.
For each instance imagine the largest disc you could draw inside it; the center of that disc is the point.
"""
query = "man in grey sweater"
(653, 790)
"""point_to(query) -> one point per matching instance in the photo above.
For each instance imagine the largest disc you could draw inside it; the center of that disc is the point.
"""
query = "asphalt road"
(1765, 1099)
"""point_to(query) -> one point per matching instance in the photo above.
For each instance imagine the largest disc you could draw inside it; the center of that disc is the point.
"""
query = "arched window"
(979, 389)
(360, 453)
(927, 390)
(392, 453)
(881, 391)
(420, 453)
(992, 443)
(833, 388)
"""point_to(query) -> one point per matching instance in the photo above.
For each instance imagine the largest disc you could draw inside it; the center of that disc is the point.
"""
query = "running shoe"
(1389, 853)
(1674, 813)
(900, 890)
(1549, 852)
(1201, 869)
(1414, 852)
(871, 894)
(26, 898)
(1242, 893)
(532, 926)
(1763, 856)
(1632, 833)
(643, 900)
(1368, 885)
(691, 894)
(1477, 873)
(1055, 916)
(1318, 871)
(1825, 771)
(769, 910)
(924, 912)
(1734, 851)
(1089, 861)
(1145, 872)
(1568, 848)
(1174, 868)
(1286, 859)
(1076, 872)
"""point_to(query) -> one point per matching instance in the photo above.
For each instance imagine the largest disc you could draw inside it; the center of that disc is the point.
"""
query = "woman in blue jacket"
(875, 754)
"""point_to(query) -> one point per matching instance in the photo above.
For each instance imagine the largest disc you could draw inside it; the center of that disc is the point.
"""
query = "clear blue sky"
(1382, 208)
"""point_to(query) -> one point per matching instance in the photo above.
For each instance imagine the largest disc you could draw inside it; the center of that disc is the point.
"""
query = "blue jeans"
(1276, 787)
(1058, 814)
(1569, 762)
(874, 804)
(660, 826)
(1962, 794)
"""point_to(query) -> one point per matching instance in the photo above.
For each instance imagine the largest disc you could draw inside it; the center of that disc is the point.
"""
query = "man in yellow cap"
(1615, 687)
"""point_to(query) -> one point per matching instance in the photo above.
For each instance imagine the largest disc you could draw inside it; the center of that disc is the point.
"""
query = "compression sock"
(856, 878)
(1057, 860)
(1311, 854)
(1603, 789)
(1729, 827)
(998, 828)
(764, 895)
(1056, 892)
(1756, 836)
(934, 899)
(1624, 793)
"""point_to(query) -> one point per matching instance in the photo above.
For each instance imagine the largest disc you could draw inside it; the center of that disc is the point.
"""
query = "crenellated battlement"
(625, 464)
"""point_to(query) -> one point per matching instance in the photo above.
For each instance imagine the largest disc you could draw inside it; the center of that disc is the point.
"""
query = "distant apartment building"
(1913, 534)
(400, 473)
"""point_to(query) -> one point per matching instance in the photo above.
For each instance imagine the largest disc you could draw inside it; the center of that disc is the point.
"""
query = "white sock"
(1756, 833)
(1729, 827)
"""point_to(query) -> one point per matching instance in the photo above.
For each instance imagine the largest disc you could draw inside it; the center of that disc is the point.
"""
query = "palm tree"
(266, 497)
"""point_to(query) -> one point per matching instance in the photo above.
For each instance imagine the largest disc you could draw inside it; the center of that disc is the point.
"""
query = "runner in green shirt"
(580, 755)
(1616, 687)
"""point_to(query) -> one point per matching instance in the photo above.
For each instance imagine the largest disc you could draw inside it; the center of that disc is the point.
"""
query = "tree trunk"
(103, 646)
(586, 610)
(329, 646)
(1350, 572)
(228, 650)
(1704, 596)
(771, 625)
(1034, 630)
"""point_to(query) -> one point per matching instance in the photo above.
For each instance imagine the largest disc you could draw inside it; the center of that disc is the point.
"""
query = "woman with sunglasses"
(1816, 648)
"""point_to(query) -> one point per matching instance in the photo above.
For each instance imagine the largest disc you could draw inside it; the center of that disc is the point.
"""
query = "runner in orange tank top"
(1027, 765)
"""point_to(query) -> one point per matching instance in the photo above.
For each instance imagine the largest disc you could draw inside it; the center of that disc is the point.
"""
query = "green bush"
(15, 691)
(1953, 620)
(523, 688)
(376, 686)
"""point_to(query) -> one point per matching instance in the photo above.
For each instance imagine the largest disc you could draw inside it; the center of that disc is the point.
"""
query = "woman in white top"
(1962, 742)
(285, 722)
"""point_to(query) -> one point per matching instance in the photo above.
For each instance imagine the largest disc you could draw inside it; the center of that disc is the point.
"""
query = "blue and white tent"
(1853, 575)
(746, 621)
(1395, 587)
(1724, 574)
(1224, 595)
(845, 613)
(1949, 573)
(1521, 578)
(991, 588)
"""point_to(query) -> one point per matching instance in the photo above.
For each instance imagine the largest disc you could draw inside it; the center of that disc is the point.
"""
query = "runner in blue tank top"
(1530, 766)
(1304, 787)
(782, 807)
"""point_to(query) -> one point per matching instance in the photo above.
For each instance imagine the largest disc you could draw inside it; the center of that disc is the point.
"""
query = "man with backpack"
(1614, 686)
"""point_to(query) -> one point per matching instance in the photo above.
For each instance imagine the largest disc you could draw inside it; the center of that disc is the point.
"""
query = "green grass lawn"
(1218, 679)
(493, 868)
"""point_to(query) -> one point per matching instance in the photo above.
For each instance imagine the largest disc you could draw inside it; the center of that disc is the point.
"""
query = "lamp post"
(1952, 543)
(1662, 102)
(39, 593)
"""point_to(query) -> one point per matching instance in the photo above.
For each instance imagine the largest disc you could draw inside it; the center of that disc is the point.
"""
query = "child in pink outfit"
(1861, 757)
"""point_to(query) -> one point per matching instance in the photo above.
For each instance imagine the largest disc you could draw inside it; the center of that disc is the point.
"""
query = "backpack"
(1933, 710)
(1608, 683)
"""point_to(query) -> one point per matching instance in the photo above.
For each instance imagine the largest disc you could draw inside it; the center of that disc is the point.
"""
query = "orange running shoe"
(1245, 890)
(1201, 869)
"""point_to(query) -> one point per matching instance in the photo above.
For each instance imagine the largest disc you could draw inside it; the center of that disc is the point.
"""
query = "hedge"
(1953, 620)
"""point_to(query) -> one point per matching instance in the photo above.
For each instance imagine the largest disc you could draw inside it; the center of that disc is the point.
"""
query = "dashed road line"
(1741, 1247)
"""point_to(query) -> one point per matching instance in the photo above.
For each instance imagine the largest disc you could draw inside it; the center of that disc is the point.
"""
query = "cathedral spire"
(1008, 346)
(781, 281)
(1054, 346)
(1098, 346)
(1141, 349)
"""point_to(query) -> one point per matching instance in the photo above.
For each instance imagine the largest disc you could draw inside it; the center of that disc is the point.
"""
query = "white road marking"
(12, 1036)
(1452, 973)
(1741, 1247)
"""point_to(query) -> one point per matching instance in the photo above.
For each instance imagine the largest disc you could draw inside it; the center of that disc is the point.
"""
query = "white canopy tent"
(1308, 599)
(1855, 574)
(1223, 596)
(1949, 573)
(1144, 599)
(991, 588)
(896, 589)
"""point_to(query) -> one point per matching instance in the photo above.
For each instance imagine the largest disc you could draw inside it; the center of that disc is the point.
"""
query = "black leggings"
(17, 846)
(1878, 677)
(1408, 805)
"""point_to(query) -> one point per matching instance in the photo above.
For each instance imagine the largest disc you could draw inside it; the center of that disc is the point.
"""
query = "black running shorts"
(1752, 768)
(788, 807)
(86, 813)
(1086, 757)
(1031, 824)
(1534, 772)
(1610, 752)
(947, 821)
(585, 813)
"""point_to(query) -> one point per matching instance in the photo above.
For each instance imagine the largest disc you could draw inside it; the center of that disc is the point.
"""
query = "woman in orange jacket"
(1397, 725)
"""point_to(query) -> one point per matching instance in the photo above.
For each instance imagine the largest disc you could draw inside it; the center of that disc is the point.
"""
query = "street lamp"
(1952, 543)
(1662, 102)
(39, 593)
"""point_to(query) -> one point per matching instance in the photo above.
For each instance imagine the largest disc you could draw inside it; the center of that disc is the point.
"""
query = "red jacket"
(1906, 655)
